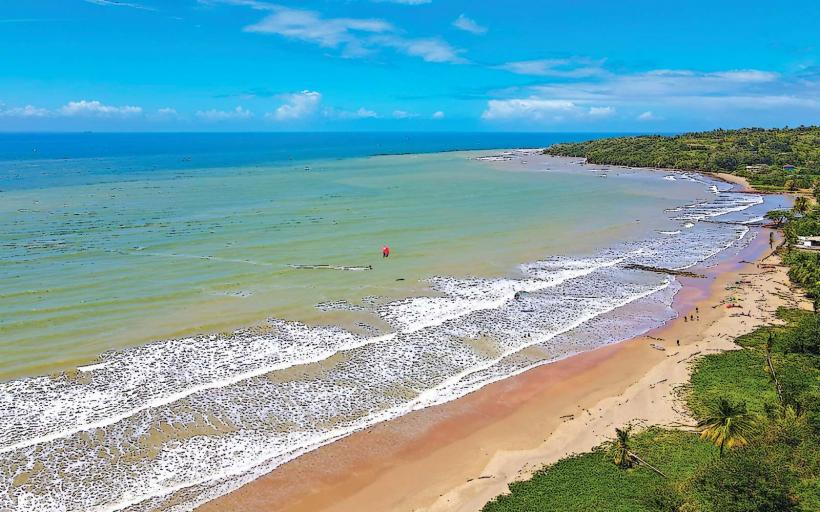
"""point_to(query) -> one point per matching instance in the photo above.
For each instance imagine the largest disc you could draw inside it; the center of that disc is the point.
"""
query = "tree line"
(730, 151)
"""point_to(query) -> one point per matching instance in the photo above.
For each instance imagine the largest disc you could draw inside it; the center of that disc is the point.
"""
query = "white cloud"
(312, 27)
(238, 113)
(95, 108)
(404, 2)
(688, 93)
(297, 105)
(27, 111)
(353, 37)
(360, 113)
(567, 68)
(746, 102)
(403, 114)
(429, 49)
(82, 108)
(735, 75)
(253, 4)
(664, 83)
(167, 112)
(438, 115)
(539, 109)
(468, 25)
(528, 108)
(114, 3)
(600, 111)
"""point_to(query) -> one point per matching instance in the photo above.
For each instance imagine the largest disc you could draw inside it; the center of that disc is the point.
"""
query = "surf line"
(164, 400)
(425, 398)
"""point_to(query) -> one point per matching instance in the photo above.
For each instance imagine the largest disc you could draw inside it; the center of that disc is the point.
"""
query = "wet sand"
(459, 455)
(742, 183)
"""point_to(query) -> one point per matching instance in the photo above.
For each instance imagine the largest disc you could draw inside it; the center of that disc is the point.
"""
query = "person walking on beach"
(386, 251)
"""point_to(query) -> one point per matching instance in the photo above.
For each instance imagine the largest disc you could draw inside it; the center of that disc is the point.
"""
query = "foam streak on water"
(174, 423)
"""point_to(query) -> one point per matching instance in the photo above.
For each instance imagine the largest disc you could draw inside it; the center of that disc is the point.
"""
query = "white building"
(808, 242)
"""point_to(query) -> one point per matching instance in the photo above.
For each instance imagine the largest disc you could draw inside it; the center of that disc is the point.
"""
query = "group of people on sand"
(691, 318)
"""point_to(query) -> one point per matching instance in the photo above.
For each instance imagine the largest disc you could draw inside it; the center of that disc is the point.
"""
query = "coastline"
(459, 455)
(207, 448)
(741, 182)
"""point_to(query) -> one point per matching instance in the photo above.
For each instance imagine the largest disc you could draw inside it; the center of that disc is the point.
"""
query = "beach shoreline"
(459, 455)
(377, 466)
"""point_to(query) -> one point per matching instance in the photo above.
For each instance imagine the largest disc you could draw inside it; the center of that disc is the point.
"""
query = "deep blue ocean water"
(35, 160)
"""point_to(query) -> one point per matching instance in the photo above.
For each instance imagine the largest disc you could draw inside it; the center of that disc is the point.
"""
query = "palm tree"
(770, 364)
(801, 205)
(726, 425)
(789, 237)
(622, 456)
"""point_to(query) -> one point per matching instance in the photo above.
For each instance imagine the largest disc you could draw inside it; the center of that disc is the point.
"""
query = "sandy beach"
(740, 181)
(459, 455)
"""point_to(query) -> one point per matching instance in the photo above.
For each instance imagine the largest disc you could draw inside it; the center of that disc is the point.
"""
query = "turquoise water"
(90, 267)
(214, 322)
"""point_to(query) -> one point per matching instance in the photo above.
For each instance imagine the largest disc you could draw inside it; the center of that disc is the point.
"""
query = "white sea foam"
(46, 409)
(90, 367)
(728, 202)
(466, 296)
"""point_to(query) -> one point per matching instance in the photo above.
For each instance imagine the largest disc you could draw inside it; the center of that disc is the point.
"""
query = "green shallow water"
(89, 268)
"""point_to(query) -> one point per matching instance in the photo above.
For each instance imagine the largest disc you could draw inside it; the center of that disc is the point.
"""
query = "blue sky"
(224, 65)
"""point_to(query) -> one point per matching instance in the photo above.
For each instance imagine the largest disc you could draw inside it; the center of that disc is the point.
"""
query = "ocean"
(180, 313)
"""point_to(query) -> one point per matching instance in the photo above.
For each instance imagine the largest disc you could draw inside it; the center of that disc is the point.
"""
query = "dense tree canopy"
(765, 151)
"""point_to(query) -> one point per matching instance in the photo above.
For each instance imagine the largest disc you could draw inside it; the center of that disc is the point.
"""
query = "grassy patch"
(592, 482)
(739, 375)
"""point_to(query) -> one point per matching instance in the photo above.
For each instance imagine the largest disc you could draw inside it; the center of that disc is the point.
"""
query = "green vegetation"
(754, 153)
(758, 413)
(804, 266)
(778, 469)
